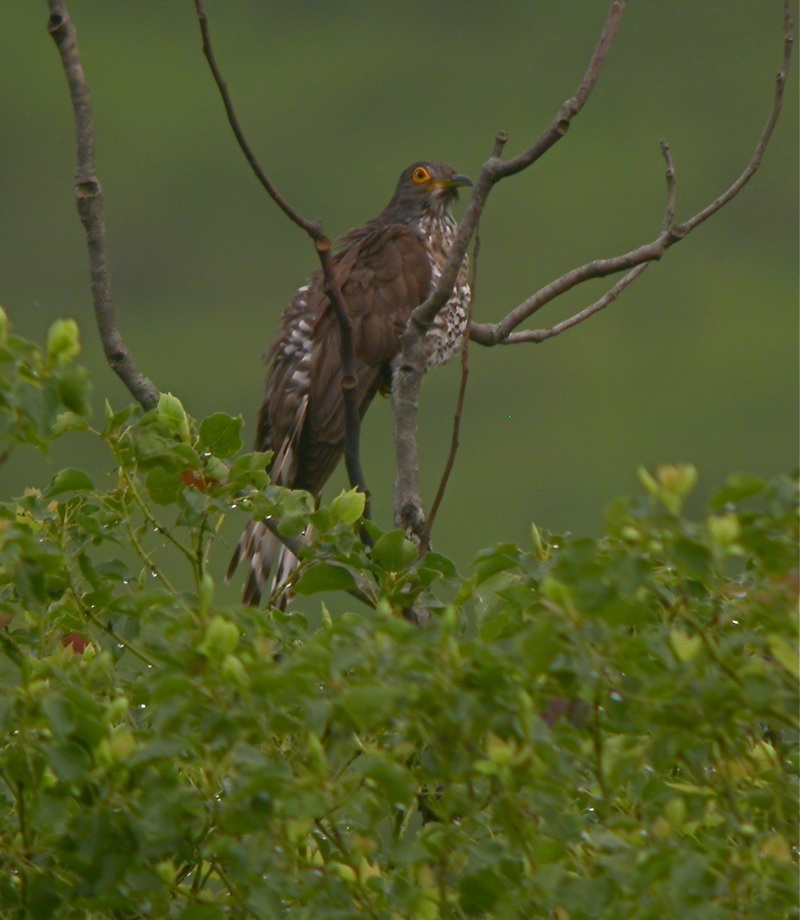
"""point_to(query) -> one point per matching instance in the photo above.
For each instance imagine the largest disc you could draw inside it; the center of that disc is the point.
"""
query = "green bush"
(584, 729)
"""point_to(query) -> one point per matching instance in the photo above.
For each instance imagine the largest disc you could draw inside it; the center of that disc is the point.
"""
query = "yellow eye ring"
(420, 175)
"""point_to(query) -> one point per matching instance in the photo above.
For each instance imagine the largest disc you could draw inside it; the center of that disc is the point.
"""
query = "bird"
(385, 269)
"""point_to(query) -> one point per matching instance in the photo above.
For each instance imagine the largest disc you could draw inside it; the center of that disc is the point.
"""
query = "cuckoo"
(385, 269)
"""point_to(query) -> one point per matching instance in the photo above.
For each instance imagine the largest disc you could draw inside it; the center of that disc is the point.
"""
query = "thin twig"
(541, 335)
(425, 543)
(671, 233)
(495, 169)
(89, 196)
(89, 615)
(672, 186)
(766, 134)
(312, 228)
(333, 290)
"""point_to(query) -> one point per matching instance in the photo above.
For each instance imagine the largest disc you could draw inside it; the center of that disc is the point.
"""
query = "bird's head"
(426, 188)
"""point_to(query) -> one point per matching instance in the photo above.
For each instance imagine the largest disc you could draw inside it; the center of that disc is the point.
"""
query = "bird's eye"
(421, 175)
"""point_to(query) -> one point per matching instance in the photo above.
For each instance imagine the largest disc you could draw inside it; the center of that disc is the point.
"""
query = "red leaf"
(77, 641)
(194, 481)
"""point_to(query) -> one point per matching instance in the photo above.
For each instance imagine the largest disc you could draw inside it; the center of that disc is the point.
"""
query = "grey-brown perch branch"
(89, 196)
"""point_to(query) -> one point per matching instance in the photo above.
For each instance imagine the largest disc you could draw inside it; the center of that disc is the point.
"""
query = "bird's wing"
(384, 273)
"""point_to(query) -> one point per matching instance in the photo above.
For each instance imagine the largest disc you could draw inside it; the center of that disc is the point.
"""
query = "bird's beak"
(455, 182)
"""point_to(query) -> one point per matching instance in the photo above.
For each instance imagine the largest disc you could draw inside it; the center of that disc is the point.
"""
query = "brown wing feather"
(385, 273)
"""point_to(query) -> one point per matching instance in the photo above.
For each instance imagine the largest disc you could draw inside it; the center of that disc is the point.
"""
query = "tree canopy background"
(697, 361)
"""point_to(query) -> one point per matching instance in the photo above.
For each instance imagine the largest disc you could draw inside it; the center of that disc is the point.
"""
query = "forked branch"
(409, 512)
(635, 261)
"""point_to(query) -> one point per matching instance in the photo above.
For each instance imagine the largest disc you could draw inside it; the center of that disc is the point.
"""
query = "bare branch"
(672, 189)
(766, 134)
(495, 169)
(312, 228)
(89, 196)
(572, 107)
(540, 335)
(637, 259)
(323, 248)
(425, 543)
(410, 369)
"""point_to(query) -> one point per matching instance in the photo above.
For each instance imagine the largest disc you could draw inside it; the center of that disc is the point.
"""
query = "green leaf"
(497, 559)
(69, 761)
(324, 576)
(433, 566)
(118, 421)
(395, 781)
(63, 341)
(170, 412)
(220, 639)
(393, 551)
(69, 480)
(368, 704)
(216, 469)
(348, 507)
(219, 434)
(738, 488)
(197, 911)
(783, 653)
(685, 646)
(478, 892)
(249, 470)
(163, 484)
(74, 389)
(6, 713)
(66, 422)
(693, 557)
(60, 715)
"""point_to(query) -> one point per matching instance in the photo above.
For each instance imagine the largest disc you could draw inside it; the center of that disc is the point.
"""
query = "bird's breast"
(446, 336)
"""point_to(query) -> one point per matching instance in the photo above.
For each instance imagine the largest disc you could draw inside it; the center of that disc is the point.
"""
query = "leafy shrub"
(584, 728)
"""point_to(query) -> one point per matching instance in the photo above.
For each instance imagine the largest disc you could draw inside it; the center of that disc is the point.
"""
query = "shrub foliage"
(584, 728)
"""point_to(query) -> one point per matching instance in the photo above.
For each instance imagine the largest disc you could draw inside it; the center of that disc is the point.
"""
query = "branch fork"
(409, 512)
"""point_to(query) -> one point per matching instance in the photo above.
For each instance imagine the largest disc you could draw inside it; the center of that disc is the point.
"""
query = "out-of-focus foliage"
(585, 728)
(36, 387)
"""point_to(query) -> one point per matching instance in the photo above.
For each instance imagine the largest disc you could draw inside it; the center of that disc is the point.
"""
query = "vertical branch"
(425, 543)
(89, 196)
(352, 411)
(409, 511)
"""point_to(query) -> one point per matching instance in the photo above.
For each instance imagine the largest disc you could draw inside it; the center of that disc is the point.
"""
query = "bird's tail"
(272, 565)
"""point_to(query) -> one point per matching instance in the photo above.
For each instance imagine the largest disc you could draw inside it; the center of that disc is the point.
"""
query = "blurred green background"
(696, 362)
